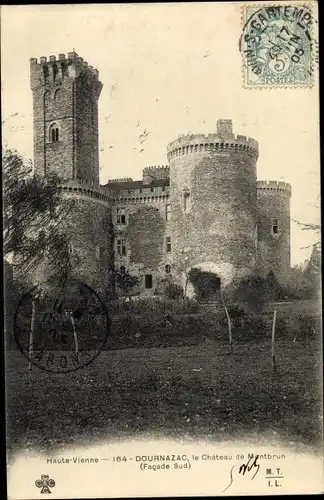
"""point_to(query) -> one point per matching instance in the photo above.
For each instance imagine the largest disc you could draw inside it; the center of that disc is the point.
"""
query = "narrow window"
(45, 71)
(168, 243)
(168, 269)
(64, 68)
(122, 270)
(148, 281)
(186, 201)
(275, 226)
(97, 252)
(55, 71)
(152, 190)
(121, 247)
(121, 216)
(54, 134)
(167, 212)
(71, 249)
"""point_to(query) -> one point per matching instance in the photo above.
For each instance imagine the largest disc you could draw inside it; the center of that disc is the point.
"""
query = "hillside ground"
(189, 391)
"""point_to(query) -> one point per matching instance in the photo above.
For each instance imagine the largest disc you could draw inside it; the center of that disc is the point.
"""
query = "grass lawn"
(193, 391)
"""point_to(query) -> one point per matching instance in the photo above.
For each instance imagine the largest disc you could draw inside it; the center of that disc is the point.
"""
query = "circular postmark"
(277, 45)
(61, 330)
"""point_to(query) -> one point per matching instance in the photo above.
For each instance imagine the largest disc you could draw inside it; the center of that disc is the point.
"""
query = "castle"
(205, 209)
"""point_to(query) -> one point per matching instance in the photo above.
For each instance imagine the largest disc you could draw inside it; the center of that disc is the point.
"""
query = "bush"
(173, 291)
(250, 293)
(309, 327)
(154, 305)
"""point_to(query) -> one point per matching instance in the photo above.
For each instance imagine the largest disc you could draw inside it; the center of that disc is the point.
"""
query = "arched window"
(57, 93)
(54, 133)
(122, 270)
(168, 269)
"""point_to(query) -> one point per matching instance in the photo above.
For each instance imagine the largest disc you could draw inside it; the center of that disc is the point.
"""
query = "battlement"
(120, 179)
(222, 140)
(157, 172)
(87, 188)
(274, 186)
(59, 67)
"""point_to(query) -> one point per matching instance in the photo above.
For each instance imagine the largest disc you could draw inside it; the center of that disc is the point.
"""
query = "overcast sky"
(167, 69)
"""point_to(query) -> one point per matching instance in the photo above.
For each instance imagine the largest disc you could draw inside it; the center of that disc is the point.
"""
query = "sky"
(167, 69)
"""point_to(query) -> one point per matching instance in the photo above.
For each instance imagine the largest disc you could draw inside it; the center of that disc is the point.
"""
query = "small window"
(64, 68)
(152, 190)
(97, 252)
(122, 270)
(168, 269)
(55, 71)
(168, 212)
(121, 216)
(168, 243)
(71, 249)
(275, 226)
(121, 247)
(45, 71)
(186, 201)
(148, 281)
(54, 133)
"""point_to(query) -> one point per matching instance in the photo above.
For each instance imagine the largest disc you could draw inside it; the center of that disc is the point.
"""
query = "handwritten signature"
(250, 465)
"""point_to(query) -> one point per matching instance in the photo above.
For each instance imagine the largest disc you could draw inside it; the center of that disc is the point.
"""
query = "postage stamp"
(61, 332)
(277, 45)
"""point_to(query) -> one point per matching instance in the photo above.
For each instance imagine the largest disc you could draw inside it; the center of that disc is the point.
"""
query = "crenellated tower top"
(65, 105)
(222, 140)
(273, 188)
(55, 69)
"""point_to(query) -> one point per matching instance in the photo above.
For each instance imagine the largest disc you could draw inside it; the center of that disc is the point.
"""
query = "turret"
(65, 105)
(273, 221)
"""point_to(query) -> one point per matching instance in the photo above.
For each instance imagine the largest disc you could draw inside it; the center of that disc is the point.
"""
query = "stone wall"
(144, 232)
(91, 237)
(65, 95)
(274, 248)
(215, 229)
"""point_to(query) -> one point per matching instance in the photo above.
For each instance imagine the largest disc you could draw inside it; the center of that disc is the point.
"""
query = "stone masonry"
(204, 210)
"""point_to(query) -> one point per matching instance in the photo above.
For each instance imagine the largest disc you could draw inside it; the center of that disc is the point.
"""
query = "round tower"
(274, 228)
(213, 202)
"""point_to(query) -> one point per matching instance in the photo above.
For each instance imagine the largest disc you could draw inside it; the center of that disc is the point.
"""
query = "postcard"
(162, 249)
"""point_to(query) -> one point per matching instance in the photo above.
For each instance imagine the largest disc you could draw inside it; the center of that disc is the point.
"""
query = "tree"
(312, 273)
(250, 292)
(173, 291)
(32, 222)
(126, 282)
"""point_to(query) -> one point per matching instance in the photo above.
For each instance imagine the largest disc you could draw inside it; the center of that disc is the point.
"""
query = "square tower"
(65, 109)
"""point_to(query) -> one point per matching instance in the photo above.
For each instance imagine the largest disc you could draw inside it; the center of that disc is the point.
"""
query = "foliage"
(249, 293)
(205, 283)
(154, 306)
(253, 292)
(126, 282)
(305, 280)
(173, 291)
(33, 213)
